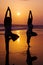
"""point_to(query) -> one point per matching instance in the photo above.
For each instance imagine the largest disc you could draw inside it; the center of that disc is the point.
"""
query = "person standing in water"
(30, 33)
(7, 25)
(8, 34)
(30, 27)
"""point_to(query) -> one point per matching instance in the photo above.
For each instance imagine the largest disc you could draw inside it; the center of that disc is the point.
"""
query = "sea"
(18, 49)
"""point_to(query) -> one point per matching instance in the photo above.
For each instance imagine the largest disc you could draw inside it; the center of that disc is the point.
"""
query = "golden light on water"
(18, 32)
(20, 44)
(18, 39)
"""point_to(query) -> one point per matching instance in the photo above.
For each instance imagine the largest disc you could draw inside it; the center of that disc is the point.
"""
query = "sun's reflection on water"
(18, 32)
(20, 44)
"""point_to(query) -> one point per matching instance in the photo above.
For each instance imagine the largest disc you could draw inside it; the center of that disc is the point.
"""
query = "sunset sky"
(20, 10)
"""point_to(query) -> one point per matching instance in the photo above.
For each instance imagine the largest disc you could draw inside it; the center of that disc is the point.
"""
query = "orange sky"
(23, 7)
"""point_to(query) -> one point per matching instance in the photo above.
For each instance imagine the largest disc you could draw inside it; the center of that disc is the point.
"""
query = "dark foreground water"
(18, 49)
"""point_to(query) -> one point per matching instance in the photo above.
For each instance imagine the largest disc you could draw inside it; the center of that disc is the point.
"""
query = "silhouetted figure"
(30, 59)
(7, 24)
(8, 34)
(30, 18)
(7, 59)
(30, 27)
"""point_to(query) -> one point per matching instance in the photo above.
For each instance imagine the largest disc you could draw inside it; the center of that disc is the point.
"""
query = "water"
(18, 48)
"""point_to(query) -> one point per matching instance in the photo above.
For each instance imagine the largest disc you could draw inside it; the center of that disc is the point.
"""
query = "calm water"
(18, 48)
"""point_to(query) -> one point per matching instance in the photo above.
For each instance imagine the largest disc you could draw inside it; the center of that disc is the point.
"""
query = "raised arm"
(6, 13)
(9, 12)
(30, 15)
(5, 19)
(8, 9)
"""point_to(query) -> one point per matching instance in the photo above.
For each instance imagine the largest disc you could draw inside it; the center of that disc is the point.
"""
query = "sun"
(18, 13)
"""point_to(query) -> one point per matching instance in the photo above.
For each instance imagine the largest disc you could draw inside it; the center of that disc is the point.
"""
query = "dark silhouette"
(30, 33)
(30, 59)
(7, 59)
(7, 24)
(30, 27)
(30, 18)
(8, 34)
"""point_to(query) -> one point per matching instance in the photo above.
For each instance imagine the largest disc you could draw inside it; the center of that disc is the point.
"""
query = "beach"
(18, 48)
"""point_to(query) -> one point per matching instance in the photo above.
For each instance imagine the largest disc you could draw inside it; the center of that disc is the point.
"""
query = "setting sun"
(18, 13)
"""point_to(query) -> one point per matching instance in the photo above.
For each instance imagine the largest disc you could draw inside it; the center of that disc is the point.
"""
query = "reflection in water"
(7, 59)
(18, 39)
(36, 45)
(18, 33)
(30, 59)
